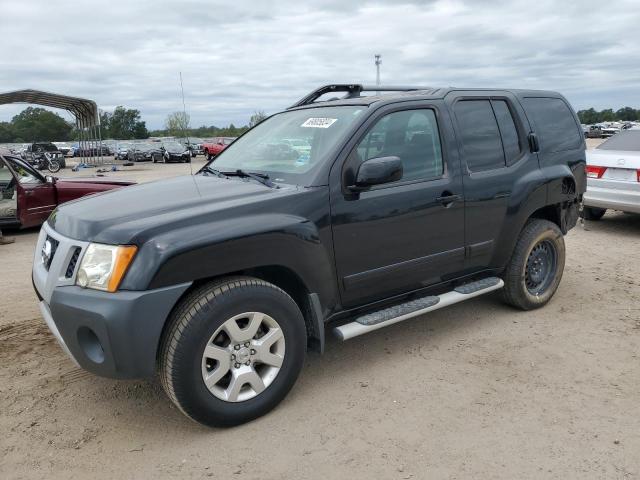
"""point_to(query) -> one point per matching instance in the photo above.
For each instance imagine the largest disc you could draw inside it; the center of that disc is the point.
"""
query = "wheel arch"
(279, 275)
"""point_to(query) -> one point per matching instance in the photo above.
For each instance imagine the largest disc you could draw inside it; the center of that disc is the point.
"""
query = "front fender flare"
(214, 249)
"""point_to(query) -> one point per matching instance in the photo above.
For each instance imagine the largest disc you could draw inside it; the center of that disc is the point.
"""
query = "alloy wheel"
(243, 357)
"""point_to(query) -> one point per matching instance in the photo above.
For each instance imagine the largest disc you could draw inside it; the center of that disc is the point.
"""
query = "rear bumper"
(111, 334)
(625, 197)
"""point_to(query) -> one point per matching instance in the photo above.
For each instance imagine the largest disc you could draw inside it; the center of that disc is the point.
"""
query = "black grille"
(72, 263)
(54, 246)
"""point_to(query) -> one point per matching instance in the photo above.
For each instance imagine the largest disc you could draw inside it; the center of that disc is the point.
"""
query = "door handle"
(502, 195)
(447, 198)
(534, 144)
(28, 192)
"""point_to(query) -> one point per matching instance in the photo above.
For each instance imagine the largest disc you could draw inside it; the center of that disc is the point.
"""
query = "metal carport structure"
(86, 115)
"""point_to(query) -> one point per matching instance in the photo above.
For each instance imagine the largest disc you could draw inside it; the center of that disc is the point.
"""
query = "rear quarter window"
(555, 124)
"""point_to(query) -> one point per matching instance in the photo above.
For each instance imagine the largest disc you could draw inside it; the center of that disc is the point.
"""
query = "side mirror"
(220, 142)
(50, 179)
(377, 171)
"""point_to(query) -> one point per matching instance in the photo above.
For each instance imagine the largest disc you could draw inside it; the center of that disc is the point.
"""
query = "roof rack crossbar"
(353, 91)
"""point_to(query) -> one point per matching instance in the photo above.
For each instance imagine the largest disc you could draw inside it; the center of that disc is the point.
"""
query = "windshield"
(627, 140)
(289, 146)
(144, 147)
(45, 147)
(174, 147)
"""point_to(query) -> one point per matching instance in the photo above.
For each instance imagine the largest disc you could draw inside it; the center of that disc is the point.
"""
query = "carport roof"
(85, 111)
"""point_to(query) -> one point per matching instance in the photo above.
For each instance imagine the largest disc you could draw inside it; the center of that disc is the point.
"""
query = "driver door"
(408, 234)
(36, 197)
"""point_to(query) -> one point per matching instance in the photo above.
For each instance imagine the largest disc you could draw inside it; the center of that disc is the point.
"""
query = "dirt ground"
(477, 390)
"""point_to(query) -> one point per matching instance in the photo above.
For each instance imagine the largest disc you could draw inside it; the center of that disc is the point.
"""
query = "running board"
(382, 318)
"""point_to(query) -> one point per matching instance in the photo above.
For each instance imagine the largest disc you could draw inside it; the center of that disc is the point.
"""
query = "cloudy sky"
(266, 54)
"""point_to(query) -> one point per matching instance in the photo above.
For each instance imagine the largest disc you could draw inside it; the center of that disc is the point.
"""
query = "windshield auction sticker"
(319, 122)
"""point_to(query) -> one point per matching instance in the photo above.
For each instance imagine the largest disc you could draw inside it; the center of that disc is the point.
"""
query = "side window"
(24, 174)
(555, 124)
(508, 131)
(480, 135)
(5, 174)
(411, 135)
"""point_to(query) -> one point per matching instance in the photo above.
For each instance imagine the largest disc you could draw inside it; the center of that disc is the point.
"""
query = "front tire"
(592, 213)
(232, 351)
(535, 269)
(53, 166)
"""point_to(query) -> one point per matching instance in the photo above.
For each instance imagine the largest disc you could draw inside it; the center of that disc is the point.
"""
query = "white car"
(613, 175)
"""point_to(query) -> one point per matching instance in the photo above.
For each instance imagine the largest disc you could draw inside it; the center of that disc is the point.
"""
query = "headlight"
(103, 266)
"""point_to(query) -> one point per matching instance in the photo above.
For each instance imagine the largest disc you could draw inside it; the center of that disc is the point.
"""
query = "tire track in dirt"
(21, 338)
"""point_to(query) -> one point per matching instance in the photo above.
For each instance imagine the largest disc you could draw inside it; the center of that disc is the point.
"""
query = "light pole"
(378, 61)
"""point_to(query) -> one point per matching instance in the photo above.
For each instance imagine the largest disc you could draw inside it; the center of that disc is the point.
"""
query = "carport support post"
(99, 135)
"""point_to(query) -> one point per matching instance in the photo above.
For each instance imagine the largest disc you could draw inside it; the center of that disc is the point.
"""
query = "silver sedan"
(613, 176)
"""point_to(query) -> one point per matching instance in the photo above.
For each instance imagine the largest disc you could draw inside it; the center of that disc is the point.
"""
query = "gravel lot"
(477, 390)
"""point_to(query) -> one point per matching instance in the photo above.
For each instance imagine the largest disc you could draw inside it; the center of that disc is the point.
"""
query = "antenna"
(378, 61)
(184, 112)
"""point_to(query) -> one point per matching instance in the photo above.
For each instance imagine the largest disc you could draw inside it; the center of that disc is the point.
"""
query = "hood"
(133, 214)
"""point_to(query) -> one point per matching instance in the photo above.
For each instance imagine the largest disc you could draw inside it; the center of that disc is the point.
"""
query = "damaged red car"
(27, 197)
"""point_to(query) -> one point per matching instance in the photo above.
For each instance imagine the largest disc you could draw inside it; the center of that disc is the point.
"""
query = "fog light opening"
(90, 345)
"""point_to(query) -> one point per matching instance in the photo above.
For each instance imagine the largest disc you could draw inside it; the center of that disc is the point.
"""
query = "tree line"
(625, 114)
(36, 124)
(178, 124)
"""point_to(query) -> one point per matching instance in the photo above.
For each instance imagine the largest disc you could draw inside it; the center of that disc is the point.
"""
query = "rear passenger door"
(491, 132)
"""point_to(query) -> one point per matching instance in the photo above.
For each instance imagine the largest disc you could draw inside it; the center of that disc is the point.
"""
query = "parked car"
(65, 148)
(145, 152)
(613, 176)
(28, 197)
(122, 151)
(91, 150)
(214, 148)
(609, 131)
(593, 131)
(175, 152)
(219, 282)
(34, 153)
(194, 145)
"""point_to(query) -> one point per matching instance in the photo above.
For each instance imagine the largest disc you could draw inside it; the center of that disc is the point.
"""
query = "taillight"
(638, 175)
(595, 172)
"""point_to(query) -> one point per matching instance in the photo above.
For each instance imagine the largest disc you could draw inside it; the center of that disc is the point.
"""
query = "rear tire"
(200, 324)
(592, 213)
(534, 272)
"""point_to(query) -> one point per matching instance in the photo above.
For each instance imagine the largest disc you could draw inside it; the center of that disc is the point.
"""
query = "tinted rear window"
(627, 140)
(480, 135)
(555, 124)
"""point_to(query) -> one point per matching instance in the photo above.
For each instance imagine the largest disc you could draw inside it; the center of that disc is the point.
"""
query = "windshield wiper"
(218, 173)
(258, 177)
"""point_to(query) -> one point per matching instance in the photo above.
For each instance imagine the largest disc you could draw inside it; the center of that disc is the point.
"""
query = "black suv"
(34, 153)
(390, 206)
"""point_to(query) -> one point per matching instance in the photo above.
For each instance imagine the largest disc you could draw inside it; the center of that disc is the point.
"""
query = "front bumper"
(613, 194)
(177, 157)
(110, 334)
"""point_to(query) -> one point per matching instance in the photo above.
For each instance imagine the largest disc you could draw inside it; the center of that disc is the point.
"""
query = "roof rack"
(353, 91)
